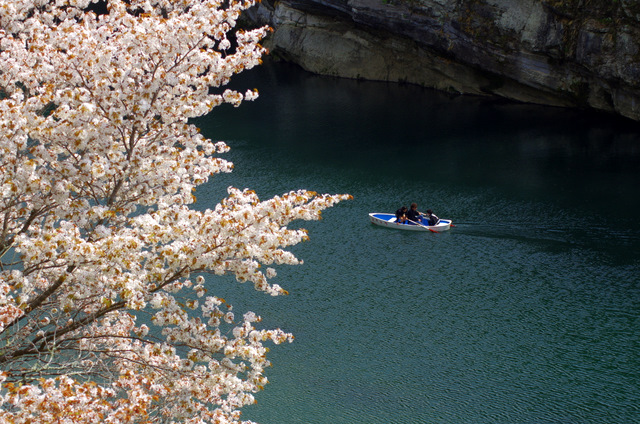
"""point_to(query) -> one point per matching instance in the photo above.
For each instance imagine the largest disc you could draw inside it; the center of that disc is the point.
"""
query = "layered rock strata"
(578, 53)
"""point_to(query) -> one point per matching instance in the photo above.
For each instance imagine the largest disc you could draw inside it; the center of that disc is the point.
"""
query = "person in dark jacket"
(433, 219)
(401, 215)
(413, 214)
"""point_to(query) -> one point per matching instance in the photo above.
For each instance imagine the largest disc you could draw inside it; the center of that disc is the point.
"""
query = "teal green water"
(528, 311)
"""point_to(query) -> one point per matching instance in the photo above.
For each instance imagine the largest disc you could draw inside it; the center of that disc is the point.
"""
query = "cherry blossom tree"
(104, 310)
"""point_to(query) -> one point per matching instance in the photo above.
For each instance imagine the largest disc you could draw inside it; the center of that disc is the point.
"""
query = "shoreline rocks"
(576, 53)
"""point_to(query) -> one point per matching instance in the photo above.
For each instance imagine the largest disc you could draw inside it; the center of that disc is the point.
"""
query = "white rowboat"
(389, 220)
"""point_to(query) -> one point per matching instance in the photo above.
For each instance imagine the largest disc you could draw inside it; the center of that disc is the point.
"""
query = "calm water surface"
(528, 311)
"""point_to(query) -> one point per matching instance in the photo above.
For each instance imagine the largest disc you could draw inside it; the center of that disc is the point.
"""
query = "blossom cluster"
(105, 314)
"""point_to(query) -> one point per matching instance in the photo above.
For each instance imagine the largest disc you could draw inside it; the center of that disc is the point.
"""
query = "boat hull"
(389, 220)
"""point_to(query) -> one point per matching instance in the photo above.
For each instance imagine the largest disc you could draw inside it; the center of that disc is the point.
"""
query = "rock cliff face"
(583, 53)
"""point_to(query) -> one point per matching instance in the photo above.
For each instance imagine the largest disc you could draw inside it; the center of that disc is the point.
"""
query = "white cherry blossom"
(105, 313)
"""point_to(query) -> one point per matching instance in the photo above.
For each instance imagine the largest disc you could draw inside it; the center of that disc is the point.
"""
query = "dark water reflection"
(527, 312)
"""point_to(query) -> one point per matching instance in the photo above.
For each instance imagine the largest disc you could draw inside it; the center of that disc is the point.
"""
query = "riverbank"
(532, 51)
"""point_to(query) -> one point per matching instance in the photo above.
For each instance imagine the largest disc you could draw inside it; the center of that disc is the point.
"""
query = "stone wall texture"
(575, 53)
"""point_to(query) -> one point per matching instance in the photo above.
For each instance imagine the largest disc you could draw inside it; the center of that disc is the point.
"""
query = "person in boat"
(401, 215)
(433, 219)
(413, 214)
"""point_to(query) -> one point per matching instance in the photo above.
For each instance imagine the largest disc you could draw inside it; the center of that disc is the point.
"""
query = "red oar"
(420, 224)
